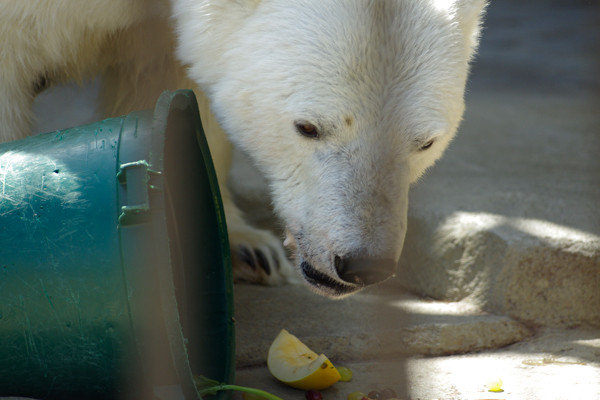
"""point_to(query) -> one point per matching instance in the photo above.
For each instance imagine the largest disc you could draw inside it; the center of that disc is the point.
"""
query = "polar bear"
(342, 104)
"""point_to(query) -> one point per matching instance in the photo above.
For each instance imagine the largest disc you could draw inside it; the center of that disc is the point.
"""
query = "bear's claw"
(258, 257)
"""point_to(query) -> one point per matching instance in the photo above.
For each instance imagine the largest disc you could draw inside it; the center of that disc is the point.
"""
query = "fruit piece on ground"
(313, 395)
(495, 386)
(294, 364)
(345, 373)
(356, 396)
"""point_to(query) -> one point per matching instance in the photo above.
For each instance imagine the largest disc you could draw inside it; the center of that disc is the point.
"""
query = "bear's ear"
(469, 14)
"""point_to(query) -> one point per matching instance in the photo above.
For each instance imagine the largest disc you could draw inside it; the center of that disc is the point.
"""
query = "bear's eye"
(426, 145)
(307, 129)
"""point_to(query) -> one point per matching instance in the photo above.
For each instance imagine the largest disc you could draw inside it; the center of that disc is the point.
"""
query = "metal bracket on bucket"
(137, 177)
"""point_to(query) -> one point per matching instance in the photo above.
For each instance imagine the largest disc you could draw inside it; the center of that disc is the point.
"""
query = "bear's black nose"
(364, 271)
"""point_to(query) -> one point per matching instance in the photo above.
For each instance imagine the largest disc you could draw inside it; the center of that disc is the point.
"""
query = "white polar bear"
(342, 104)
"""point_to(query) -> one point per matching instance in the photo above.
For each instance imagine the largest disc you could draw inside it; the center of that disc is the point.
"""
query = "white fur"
(379, 79)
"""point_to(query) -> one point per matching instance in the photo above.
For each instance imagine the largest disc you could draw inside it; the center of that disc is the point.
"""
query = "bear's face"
(341, 104)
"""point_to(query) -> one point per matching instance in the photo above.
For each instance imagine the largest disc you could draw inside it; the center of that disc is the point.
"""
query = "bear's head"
(342, 105)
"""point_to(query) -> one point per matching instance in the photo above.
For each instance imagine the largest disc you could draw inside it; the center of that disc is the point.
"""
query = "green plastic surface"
(115, 271)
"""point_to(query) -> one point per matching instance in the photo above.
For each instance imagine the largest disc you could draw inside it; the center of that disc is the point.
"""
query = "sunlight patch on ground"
(461, 223)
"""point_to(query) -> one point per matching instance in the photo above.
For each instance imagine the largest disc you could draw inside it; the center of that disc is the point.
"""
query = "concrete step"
(377, 323)
(535, 271)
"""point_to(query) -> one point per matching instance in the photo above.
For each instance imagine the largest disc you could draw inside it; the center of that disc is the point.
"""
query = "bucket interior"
(198, 245)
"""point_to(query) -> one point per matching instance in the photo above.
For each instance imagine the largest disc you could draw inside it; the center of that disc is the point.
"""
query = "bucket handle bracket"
(137, 178)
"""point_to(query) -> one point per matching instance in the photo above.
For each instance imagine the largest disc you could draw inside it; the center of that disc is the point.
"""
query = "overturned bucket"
(115, 273)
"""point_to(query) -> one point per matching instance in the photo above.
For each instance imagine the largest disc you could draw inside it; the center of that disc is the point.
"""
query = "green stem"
(207, 386)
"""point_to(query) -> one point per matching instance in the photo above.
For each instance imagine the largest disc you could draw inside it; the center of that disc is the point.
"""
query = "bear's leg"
(257, 254)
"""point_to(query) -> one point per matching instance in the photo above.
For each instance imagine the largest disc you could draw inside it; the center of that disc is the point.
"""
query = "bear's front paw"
(258, 257)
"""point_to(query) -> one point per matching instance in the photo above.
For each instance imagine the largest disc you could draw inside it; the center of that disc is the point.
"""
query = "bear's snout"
(349, 275)
(364, 271)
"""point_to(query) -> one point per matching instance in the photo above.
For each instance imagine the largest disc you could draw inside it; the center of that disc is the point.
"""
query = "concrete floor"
(510, 289)
(444, 350)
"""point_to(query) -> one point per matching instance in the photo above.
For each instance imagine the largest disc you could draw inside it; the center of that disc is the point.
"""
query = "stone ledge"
(534, 271)
(375, 324)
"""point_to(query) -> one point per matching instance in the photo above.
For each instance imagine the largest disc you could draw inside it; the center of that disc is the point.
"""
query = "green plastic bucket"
(115, 271)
